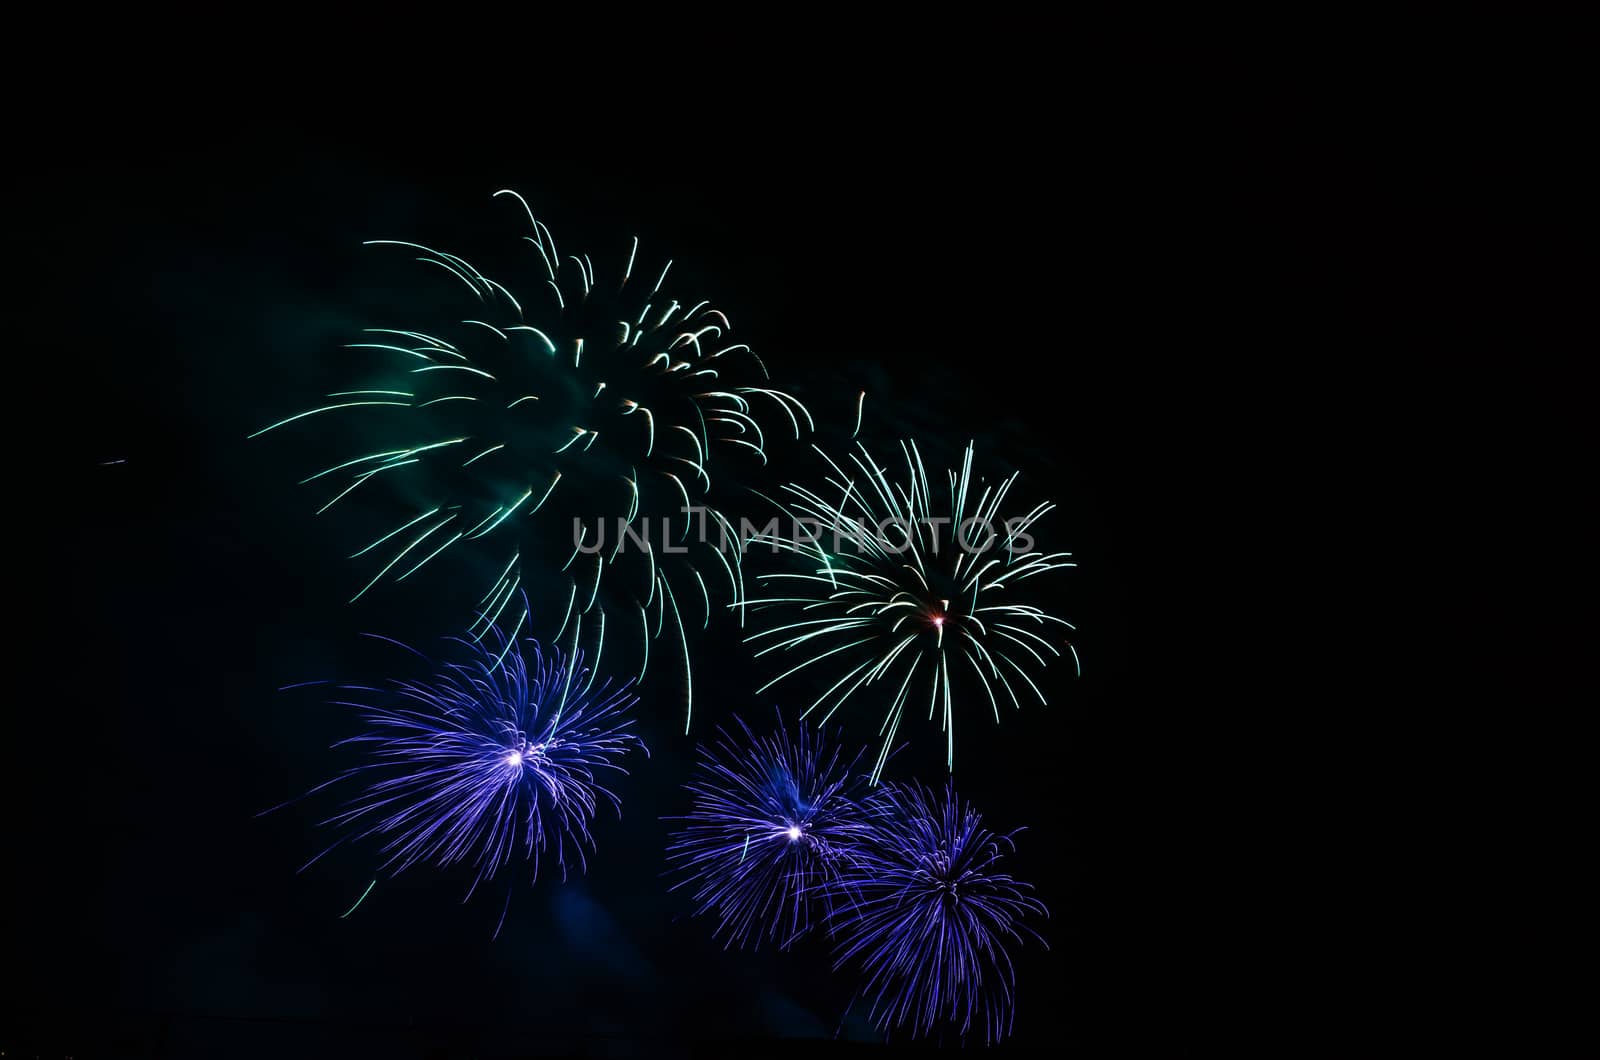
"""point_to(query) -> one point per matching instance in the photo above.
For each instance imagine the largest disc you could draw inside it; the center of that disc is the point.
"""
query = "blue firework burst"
(772, 822)
(927, 908)
(496, 758)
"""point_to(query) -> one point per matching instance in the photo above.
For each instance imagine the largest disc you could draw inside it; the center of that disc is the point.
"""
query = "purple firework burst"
(926, 905)
(493, 758)
(771, 824)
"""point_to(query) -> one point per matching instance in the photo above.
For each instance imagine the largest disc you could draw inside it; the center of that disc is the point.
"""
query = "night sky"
(1071, 298)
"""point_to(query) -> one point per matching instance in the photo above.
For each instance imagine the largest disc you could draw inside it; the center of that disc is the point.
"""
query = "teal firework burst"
(910, 593)
(567, 433)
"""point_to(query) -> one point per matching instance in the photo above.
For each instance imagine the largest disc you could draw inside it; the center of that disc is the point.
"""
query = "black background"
(1071, 290)
(1134, 281)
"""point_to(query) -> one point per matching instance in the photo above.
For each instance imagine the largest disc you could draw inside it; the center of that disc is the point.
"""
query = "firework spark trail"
(485, 761)
(772, 821)
(906, 603)
(612, 395)
(926, 907)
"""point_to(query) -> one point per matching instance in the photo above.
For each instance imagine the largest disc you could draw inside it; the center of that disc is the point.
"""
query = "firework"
(926, 907)
(771, 824)
(908, 589)
(496, 758)
(598, 405)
